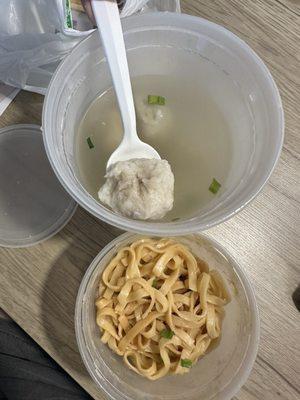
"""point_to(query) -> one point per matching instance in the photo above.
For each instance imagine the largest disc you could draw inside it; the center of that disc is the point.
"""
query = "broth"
(190, 131)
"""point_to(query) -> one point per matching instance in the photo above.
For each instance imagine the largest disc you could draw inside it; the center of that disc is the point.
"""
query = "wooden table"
(38, 285)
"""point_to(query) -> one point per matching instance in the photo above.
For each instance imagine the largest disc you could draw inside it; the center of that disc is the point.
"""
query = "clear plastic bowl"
(218, 375)
(84, 74)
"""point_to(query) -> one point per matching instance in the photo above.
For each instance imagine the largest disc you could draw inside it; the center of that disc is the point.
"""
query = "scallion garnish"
(154, 283)
(214, 186)
(186, 363)
(167, 333)
(160, 100)
(90, 143)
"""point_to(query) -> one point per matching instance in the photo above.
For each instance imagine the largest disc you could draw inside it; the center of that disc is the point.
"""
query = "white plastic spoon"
(109, 26)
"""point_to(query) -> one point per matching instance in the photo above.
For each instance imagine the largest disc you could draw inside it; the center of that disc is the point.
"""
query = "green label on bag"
(69, 20)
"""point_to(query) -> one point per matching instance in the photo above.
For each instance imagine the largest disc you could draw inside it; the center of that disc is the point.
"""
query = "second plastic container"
(216, 376)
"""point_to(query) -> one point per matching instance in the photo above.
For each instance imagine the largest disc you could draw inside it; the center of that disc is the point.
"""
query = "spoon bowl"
(107, 17)
(128, 151)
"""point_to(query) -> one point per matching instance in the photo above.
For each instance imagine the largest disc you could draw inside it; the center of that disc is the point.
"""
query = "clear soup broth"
(192, 131)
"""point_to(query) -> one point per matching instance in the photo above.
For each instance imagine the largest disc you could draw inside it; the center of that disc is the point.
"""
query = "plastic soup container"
(171, 44)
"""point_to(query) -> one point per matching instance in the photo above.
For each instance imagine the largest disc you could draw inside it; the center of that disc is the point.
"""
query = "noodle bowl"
(160, 307)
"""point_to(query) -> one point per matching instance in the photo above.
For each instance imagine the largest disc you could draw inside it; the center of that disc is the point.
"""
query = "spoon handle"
(107, 16)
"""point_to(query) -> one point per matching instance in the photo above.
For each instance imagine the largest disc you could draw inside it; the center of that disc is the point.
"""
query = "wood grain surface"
(38, 285)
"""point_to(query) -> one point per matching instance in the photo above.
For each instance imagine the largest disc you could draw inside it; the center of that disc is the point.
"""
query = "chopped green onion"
(214, 186)
(152, 99)
(167, 333)
(90, 143)
(154, 283)
(160, 100)
(186, 363)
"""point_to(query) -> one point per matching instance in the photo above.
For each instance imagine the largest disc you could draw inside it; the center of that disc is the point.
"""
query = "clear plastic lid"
(33, 204)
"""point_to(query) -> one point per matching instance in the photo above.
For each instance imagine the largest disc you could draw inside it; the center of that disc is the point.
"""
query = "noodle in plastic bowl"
(219, 374)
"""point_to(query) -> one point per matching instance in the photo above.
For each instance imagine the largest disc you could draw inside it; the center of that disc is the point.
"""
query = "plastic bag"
(35, 35)
(134, 6)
